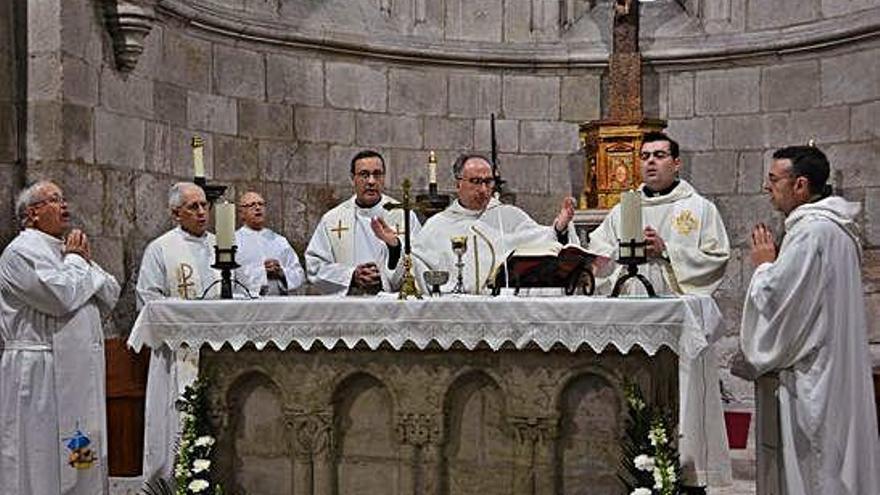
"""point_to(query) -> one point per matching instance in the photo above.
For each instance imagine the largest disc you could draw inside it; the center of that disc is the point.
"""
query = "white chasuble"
(491, 235)
(804, 320)
(697, 251)
(254, 248)
(696, 241)
(344, 239)
(52, 373)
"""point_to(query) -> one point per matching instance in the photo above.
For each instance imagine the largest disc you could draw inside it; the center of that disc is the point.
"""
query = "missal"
(545, 265)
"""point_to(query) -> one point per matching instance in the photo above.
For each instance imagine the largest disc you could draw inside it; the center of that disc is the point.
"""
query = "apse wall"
(285, 92)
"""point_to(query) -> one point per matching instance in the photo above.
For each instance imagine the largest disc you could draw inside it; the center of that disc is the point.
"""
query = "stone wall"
(285, 96)
(10, 118)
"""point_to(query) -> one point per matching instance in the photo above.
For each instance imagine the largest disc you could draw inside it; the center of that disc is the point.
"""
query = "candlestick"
(631, 228)
(432, 168)
(225, 225)
(198, 146)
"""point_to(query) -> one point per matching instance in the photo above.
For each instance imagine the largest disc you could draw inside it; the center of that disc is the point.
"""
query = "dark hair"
(652, 137)
(366, 154)
(809, 162)
(458, 165)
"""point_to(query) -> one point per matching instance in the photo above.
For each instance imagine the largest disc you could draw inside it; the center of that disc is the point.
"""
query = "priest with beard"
(53, 434)
(687, 252)
(344, 257)
(477, 214)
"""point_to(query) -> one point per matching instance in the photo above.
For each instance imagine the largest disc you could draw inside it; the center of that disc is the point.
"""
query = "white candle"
(224, 217)
(631, 228)
(432, 168)
(198, 145)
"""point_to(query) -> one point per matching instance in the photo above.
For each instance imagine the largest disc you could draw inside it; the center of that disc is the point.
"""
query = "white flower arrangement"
(192, 470)
(652, 465)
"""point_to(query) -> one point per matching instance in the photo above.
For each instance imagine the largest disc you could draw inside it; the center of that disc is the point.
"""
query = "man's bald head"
(252, 210)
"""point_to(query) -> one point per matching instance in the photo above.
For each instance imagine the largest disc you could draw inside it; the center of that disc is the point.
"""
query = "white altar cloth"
(686, 325)
(176, 329)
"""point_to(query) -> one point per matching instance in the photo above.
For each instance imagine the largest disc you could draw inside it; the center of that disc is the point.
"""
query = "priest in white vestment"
(269, 265)
(344, 256)
(687, 253)
(177, 264)
(493, 229)
(53, 434)
(804, 321)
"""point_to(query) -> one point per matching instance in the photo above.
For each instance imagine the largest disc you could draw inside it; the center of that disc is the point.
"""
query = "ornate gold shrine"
(612, 153)
(612, 144)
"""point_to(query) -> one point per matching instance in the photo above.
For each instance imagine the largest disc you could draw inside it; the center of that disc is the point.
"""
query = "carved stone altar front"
(425, 422)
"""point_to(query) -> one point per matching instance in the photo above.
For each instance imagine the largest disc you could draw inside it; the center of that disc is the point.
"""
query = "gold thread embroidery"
(685, 222)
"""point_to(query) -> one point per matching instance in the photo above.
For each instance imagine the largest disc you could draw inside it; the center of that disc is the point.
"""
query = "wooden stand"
(126, 389)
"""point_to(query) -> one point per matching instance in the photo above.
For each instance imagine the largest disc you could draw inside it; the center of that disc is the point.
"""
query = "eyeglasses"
(54, 199)
(479, 181)
(365, 174)
(195, 205)
(658, 154)
(254, 204)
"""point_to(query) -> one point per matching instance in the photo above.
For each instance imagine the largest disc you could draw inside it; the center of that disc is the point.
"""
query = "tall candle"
(432, 168)
(198, 145)
(631, 228)
(224, 218)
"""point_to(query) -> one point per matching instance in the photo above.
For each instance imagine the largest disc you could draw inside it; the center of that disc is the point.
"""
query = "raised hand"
(565, 216)
(763, 245)
(384, 232)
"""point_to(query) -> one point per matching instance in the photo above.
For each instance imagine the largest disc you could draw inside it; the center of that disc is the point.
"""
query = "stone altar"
(456, 395)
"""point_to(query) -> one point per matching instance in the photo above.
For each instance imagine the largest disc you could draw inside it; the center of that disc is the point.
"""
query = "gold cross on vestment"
(339, 229)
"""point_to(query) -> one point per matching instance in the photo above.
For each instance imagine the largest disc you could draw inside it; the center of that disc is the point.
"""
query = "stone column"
(312, 452)
(419, 435)
(535, 438)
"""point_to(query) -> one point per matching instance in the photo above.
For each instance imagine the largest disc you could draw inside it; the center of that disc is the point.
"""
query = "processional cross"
(612, 144)
(408, 287)
(625, 66)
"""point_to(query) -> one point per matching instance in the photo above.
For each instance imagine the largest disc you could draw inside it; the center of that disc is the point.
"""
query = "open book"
(545, 265)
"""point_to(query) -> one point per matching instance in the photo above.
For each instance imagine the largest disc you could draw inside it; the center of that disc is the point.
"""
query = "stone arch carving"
(365, 452)
(478, 454)
(587, 452)
(257, 437)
